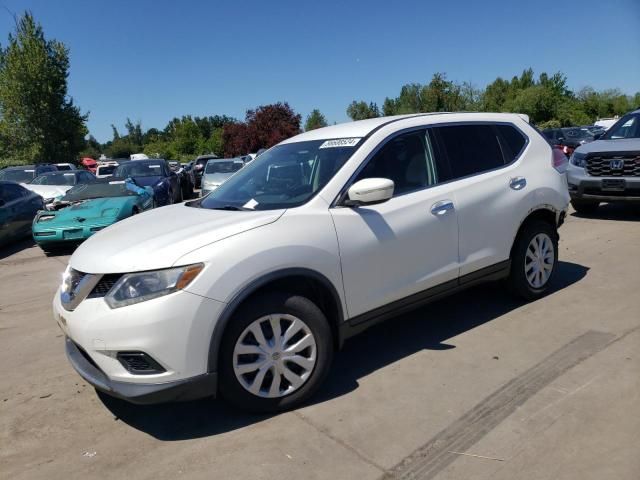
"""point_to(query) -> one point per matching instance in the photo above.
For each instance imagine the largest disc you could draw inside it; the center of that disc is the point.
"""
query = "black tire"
(304, 309)
(517, 281)
(586, 207)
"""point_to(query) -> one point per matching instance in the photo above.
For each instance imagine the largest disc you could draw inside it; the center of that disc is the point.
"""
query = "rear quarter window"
(512, 140)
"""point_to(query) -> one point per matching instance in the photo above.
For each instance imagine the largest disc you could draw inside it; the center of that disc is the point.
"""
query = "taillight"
(559, 160)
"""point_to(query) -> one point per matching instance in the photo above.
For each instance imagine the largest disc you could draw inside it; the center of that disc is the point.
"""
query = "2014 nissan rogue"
(247, 292)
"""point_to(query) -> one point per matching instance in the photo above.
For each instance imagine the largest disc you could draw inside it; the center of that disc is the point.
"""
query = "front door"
(406, 245)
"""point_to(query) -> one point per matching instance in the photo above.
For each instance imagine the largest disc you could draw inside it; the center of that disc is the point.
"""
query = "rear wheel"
(276, 352)
(534, 260)
(585, 206)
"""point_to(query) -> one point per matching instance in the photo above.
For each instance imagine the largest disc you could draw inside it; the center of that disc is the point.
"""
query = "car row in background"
(88, 208)
(50, 185)
(61, 204)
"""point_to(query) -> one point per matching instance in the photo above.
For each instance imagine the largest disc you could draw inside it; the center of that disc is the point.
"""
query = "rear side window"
(471, 149)
(512, 140)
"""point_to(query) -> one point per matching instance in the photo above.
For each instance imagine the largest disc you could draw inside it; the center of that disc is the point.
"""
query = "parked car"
(18, 206)
(607, 170)
(567, 139)
(218, 171)
(65, 166)
(246, 292)
(88, 208)
(54, 184)
(89, 164)
(138, 156)
(25, 173)
(198, 168)
(155, 174)
(106, 170)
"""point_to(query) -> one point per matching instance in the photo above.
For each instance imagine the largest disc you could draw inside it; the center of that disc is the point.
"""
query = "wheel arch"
(302, 281)
(546, 213)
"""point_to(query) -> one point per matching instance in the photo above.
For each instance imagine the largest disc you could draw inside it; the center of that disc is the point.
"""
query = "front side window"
(407, 159)
(627, 127)
(285, 176)
(471, 149)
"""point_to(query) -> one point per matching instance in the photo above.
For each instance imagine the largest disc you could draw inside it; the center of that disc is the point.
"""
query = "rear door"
(408, 244)
(489, 190)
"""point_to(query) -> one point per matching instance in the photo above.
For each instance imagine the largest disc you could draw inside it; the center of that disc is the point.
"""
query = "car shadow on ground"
(613, 211)
(16, 247)
(428, 327)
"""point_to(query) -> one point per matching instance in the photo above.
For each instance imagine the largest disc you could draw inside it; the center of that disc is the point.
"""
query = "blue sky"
(153, 60)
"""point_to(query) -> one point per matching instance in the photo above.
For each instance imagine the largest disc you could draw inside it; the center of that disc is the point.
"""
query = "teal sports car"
(88, 208)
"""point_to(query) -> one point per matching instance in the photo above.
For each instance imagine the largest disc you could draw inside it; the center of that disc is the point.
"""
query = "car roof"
(362, 128)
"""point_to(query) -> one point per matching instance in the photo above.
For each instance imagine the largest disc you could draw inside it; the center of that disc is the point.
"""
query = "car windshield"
(576, 134)
(106, 170)
(86, 191)
(223, 166)
(55, 179)
(16, 175)
(137, 168)
(627, 127)
(285, 176)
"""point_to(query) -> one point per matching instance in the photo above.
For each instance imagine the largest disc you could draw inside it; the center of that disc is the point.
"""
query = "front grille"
(601, 165)
(105, 284)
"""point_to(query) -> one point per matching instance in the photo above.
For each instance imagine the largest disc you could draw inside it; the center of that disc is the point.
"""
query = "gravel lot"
(475, 386)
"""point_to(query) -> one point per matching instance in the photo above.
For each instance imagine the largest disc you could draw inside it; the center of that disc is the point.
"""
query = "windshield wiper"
(231, 208)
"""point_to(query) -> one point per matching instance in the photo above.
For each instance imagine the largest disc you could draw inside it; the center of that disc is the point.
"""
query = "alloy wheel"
(274, 356)
(539, 261)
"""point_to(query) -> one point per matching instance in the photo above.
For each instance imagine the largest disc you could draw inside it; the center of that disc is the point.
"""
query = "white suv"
(247, 292)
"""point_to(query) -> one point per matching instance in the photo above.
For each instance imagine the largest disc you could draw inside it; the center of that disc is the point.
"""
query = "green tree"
(39, 121)
(362, 110)
(315, 120)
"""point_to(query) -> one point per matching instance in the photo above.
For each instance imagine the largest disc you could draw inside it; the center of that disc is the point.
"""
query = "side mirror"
(369, 191)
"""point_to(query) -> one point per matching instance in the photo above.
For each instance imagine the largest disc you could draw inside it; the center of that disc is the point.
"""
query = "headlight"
(579, 159)
(110, 212)
(142, 286)
(45, 218)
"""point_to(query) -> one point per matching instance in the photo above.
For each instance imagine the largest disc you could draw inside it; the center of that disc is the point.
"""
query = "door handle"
(442, 207)
(518, 183)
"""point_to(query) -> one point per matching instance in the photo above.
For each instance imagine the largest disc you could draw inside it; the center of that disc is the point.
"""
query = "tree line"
(39, 121)
(546, 99)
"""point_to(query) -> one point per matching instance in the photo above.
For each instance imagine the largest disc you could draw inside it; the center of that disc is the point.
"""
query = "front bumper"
(65, 235)
(140, 393)
(585, 187)
(174, 330)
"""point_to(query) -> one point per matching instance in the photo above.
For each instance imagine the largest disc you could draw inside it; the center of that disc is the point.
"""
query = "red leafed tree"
(263, 128)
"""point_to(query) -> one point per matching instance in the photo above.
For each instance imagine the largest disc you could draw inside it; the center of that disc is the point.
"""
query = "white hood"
(48, 191)
(158, 238)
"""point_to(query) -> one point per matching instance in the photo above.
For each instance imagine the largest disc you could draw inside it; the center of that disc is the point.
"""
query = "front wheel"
(534, 260)
(275, 353)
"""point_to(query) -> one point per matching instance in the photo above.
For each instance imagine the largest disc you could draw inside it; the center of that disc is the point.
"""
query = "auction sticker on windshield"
(340, 142)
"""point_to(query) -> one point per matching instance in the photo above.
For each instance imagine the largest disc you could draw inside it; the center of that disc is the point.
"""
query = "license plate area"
(614, 184)
(72, 234)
